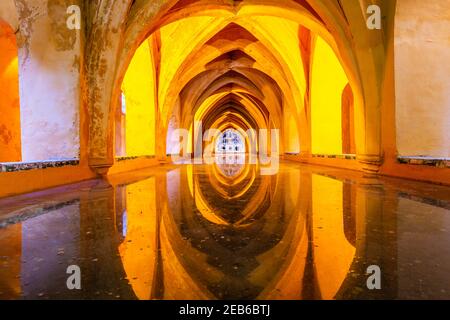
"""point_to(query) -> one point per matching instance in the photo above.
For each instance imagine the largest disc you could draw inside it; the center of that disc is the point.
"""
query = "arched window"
(10, 131)
(230, 142)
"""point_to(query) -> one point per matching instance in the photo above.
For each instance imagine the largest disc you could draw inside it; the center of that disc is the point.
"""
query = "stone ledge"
(335, 156)
(425, 161)
(25, 166)
(430, 201)
(119, 159)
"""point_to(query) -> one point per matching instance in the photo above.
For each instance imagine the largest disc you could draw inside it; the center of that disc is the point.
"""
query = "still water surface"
(225, 231)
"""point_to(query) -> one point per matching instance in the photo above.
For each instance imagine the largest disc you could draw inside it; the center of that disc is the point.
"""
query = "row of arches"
(234, 70)
(242, 22)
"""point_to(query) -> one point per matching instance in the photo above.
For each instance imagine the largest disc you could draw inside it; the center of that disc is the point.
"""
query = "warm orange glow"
(235, 150)
(10, 132)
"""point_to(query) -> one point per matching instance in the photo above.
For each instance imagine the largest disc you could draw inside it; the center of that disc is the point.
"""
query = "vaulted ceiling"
(250, 59)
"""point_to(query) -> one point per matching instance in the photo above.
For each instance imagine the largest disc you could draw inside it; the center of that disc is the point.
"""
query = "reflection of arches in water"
(233, 251)
(234, 200)
(230, 141)
(349, 213)
(264, 255)
(230, 165)
(230, 170)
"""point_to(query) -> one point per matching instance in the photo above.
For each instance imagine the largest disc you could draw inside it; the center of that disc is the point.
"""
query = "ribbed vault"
(250, 59)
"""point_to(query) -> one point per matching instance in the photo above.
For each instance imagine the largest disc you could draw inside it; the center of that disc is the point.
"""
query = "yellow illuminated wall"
(178, 39)
(139, 89)
(328, 83)
(282, 35)
(333, 254)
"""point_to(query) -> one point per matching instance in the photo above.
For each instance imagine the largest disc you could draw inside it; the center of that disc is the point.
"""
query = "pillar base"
(371, 164)
(162, 159)
(100, 166)
(101, 171)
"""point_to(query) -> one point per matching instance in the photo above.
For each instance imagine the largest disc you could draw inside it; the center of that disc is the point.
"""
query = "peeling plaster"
(49, 76)
(27, 16)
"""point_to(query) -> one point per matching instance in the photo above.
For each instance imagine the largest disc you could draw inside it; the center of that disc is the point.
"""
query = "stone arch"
(347, 35)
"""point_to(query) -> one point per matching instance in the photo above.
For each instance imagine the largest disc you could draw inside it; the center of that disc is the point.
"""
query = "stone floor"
(225, 231)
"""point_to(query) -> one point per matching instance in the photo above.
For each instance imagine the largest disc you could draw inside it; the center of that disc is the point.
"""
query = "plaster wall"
(49, 73)
(422, 78)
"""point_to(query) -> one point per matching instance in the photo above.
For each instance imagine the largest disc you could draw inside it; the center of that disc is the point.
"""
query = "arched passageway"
(215, 138)
(202, 56)
(230, 141)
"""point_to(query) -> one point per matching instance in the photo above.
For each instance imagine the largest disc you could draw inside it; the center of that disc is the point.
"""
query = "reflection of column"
(378, 250)
(349, 212)
(309, 286)
(103, 275)
(388, 224)
(333, 253)
(138, 249)
(177, 252)
(375, 234)
(157, 290)
(161, 131)
(292, 277)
